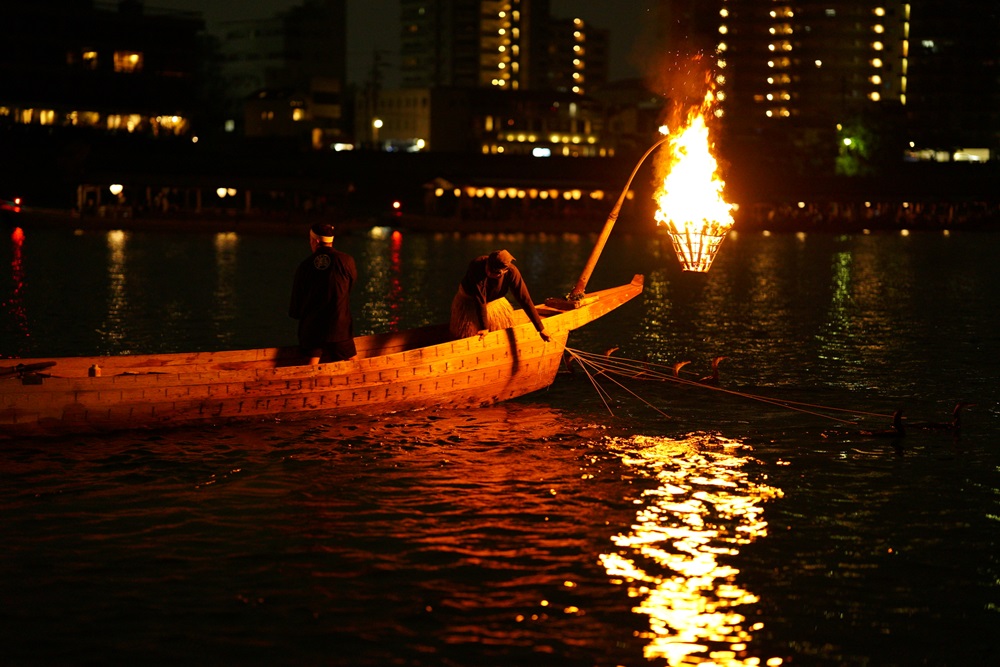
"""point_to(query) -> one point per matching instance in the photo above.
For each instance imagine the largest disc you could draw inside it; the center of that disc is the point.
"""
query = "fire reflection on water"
(704, 507)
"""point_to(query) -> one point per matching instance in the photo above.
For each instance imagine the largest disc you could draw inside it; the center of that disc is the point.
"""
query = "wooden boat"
(406, 370)
(410, 369)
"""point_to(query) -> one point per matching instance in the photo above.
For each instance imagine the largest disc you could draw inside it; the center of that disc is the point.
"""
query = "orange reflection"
(704, 507)
(395, 296)
(14, 304)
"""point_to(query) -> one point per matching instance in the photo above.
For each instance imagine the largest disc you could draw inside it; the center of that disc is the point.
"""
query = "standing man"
(480, 305)
(321, 299)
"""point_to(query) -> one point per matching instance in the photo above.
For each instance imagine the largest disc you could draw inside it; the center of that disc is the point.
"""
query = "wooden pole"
(595, 254)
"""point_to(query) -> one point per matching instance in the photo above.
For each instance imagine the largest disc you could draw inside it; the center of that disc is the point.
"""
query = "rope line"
(603, 392)
(595, 365)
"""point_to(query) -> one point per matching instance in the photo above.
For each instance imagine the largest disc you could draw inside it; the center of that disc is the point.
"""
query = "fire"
(690, 200)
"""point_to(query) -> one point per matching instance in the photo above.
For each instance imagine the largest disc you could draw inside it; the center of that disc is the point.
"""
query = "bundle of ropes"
(604, 367)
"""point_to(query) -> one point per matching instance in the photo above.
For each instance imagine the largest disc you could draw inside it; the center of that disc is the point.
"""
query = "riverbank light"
(690, 201)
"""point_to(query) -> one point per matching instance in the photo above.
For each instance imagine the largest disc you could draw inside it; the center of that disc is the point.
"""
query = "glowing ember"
(690, 201)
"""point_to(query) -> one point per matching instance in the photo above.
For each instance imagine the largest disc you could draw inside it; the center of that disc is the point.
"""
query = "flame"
(690, 200)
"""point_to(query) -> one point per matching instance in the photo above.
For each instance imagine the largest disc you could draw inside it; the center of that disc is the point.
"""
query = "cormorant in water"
(895, 432)
(713, 379)
(955, 423)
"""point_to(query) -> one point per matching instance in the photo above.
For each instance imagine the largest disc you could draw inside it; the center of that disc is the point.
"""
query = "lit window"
(128, 62)
(90, 59)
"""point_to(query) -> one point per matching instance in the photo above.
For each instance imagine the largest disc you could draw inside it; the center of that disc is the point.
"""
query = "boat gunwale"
(268, 359)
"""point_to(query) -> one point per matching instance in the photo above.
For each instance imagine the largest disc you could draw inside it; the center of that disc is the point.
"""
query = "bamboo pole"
(595, 254)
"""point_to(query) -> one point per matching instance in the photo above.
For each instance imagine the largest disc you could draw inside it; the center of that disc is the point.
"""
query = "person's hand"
(547, 338)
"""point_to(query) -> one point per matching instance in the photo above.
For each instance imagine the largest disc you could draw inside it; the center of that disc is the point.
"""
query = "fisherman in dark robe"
(480, 305)
(321, 299)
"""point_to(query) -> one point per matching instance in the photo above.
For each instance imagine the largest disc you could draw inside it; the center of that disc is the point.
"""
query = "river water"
(657, 524)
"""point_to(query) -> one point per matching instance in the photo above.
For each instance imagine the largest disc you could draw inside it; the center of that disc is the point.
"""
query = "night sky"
(374, 24)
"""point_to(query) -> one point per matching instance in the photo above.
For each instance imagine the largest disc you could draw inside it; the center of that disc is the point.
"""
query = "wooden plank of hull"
(480, 379)
(156, 390)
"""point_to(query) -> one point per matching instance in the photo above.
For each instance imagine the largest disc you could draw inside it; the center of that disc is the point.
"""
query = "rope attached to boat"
(605, 366)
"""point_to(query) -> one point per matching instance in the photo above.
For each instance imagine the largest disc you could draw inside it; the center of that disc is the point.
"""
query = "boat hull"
(407, 370)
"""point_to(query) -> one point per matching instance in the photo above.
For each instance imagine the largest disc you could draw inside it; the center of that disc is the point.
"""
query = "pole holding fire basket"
(691, 207)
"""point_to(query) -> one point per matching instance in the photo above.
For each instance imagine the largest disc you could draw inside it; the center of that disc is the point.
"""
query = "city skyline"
(368, 30)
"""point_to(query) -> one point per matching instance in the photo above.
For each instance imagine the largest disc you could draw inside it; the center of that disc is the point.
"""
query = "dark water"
(556, 529)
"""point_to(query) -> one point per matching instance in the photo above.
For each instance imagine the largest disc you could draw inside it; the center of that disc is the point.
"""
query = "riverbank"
(785, 218)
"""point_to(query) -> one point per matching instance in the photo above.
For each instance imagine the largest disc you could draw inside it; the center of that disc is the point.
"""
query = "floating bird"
(678, 366)
(713, 379)
(895, 432)
(954, 425)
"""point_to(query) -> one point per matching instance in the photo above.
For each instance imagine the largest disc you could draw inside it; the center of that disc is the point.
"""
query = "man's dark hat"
(323, 230)
(500, 259)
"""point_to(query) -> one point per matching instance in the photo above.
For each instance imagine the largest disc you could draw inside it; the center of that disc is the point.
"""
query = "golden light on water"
(690, 202)
(703, 508)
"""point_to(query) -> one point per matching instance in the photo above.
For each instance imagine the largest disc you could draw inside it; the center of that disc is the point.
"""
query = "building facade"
(855, 85)
(474, 43)
(490, 122)
(288, 72)
(107, 67)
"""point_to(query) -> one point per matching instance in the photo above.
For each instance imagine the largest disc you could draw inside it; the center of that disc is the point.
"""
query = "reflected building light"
(113, 328)
(14, 304)
(226, 306)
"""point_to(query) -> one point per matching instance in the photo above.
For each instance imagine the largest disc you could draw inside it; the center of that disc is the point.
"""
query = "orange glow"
(676, 558)
(13, 305)
(690, 201)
